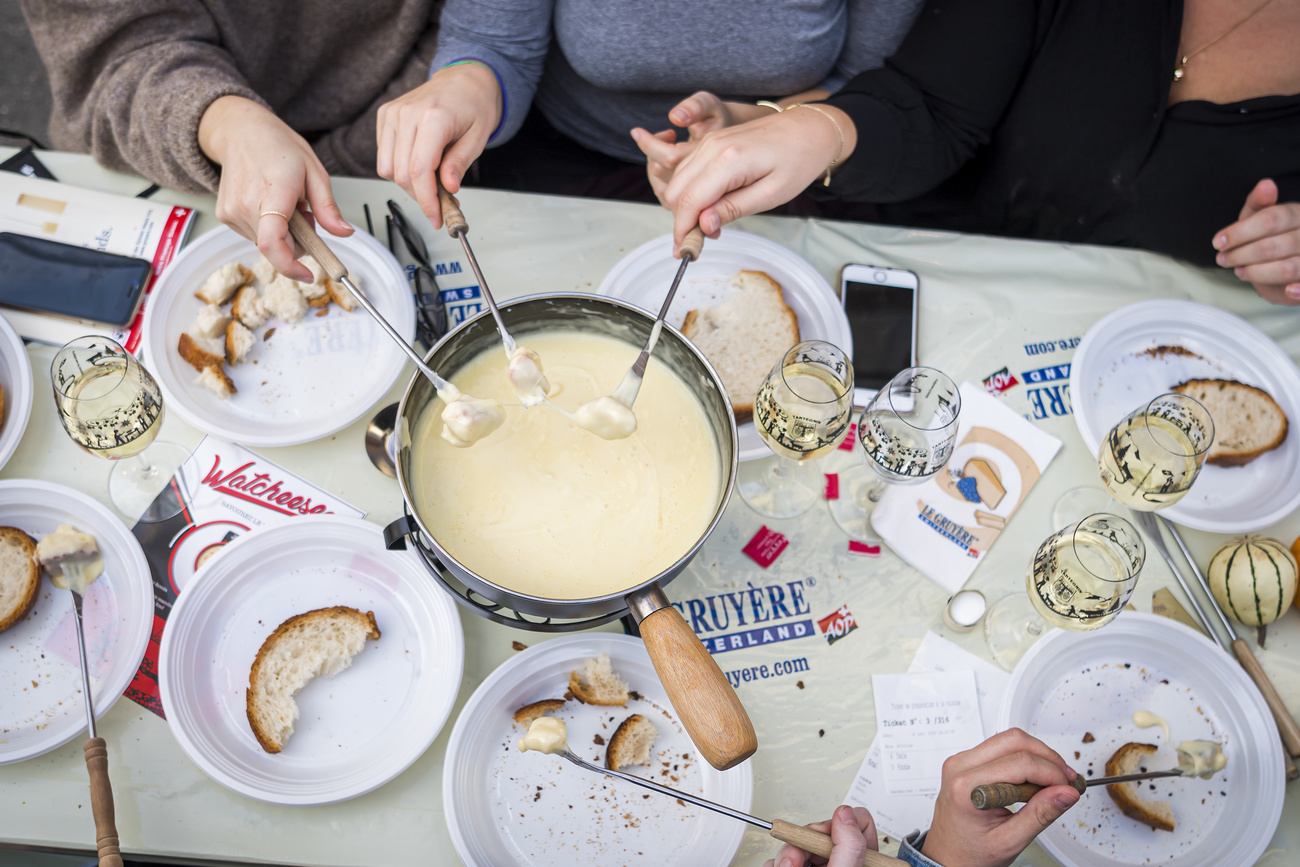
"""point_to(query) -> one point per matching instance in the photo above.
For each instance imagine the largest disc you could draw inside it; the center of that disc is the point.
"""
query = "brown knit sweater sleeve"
(131, 79)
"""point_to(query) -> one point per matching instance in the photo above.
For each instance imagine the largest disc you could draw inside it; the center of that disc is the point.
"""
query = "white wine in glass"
(111, 407)
(1149, 460)
(802, 412)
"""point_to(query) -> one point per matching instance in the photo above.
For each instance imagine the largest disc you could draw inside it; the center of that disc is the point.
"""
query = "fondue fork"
(787, 832)
(453, 220)
(992, 795)
(631, 383)
(307, 238)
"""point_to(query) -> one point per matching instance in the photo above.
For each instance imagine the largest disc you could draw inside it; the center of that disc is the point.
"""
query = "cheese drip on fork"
(71, 557)
(546, 735)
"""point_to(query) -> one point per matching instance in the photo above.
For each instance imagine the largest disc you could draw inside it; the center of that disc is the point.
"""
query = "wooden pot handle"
(820, 844)
(307, 238)
(101, 803)
(1285, 724)
(453, 220)
(707, 705)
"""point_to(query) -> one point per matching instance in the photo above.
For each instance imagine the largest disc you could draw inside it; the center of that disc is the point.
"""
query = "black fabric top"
(1049, 119)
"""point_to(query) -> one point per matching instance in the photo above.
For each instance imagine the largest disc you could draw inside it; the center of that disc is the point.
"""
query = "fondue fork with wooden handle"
(307, 238)
(787, 832)
(453, 220)
(992, 795)
(96, 750)
(631, 383)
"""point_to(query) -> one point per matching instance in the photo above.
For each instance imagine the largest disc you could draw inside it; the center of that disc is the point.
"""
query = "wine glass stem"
(780, 474)
(871, 494)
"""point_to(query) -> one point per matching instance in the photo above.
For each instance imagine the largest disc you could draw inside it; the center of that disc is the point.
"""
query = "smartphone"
(66, 280)
(881, 305)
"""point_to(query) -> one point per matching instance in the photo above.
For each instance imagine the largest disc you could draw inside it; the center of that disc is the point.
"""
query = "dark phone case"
(65, 280)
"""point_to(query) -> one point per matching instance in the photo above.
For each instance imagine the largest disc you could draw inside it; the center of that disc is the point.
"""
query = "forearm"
(132, 82)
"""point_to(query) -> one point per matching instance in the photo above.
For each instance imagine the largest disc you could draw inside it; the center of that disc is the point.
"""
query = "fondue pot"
(707, 705)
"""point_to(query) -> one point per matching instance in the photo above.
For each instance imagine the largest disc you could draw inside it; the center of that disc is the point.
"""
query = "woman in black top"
(1051, 119)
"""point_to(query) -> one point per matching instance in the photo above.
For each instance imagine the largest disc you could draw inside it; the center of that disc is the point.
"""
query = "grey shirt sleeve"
(874, 31)
(511, 36)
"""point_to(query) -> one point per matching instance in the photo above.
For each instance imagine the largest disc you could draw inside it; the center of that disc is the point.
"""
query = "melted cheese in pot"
(545, 508)
(546, 735)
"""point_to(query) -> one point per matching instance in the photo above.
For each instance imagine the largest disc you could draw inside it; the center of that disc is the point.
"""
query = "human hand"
(1263, 246)
(266, 166)
(962, 836)
(852, 831)
(748, 168)
(440, 127)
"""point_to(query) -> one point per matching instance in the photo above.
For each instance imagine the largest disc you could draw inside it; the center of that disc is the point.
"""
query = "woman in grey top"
(596, 69)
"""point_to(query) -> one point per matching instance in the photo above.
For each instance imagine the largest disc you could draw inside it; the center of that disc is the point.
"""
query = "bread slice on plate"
(529, 712)
(202, 352)
(599, 683)
(223, 282)
(745, 336)
(1247, 420)
(1128, 796)
(302, 648)
(631, 743)
(20, 577)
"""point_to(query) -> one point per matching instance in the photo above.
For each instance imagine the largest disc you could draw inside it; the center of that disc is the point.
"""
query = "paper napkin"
(944, 526)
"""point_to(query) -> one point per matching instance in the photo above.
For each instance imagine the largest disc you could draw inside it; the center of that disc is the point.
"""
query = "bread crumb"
(519, 645)
(1088, 738)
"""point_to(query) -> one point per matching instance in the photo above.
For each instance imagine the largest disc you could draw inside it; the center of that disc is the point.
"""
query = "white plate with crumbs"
(1142, 350)
(1074, 684)
(643, 276)
(16, 385)
(308, 379)
(510, 809)
(356, 731)
(41, 705)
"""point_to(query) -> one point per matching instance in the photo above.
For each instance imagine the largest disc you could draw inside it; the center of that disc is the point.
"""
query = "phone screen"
(880, 319)
(51, 277)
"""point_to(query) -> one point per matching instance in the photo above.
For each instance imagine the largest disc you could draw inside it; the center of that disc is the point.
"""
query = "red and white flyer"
(225, 492)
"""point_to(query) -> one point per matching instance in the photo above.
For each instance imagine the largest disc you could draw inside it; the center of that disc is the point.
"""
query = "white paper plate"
(507, 808)
(41, 706)
(643, 276)
(1113, 373)
(312, 378)
(357, 731)
(1070, 683)
(16, 380)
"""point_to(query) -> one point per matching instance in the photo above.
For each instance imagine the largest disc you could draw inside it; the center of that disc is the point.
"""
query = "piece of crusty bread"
(631, 743)
(239, 340)
(599, 683)
(223, 282)
(1128, 796)
(342, 295)
(215, 380)
(529, 712)
(744, 336)
(283, 300)
(306, 646)
(247, 307)
(211, 321)
(264, 271)
(1247, 421)
(20, 577)
(202, 352)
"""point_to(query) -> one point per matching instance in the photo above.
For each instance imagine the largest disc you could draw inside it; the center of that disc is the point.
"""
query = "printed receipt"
(922, 720)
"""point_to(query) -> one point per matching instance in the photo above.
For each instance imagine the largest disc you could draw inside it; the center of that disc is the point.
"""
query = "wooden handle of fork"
(452, 219)
(307, 238)
(692, 244)
(820, 844)
(101, 803)
(1286, 725)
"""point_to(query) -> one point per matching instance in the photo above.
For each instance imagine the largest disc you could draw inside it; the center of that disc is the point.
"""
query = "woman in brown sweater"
(257, 102)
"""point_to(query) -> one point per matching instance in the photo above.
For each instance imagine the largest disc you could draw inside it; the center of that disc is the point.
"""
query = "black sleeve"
(922, 116)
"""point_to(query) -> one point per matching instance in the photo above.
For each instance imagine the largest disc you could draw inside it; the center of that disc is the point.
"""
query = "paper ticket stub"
(923, 719)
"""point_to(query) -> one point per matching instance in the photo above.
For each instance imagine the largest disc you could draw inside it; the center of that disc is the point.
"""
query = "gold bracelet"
(769, 104)
(839, 132)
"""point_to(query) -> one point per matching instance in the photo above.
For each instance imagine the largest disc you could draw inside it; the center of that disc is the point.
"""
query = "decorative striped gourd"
(1253, 578)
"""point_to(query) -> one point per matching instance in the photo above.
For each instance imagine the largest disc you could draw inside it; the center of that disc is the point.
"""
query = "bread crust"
(1238, 459)
(28, 579)
(1125, 761)
(529, 712)
(281, 631)
(619, 744)
(196, 356)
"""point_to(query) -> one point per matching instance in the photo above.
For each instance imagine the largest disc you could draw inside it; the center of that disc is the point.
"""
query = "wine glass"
(907, 433)
(111, 407)
(802, 412)
(1080, 578)
(1148, 461)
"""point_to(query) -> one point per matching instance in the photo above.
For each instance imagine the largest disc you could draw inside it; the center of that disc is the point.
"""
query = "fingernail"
(844, 816)
(1065, 801)
(710, 223)
(636, 134)
(1239, 272)
(1221, 259)
(455, 178)
(1220, 242)
(679, 117)
(1293, 291)
(787, 861)
(1070, 773)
